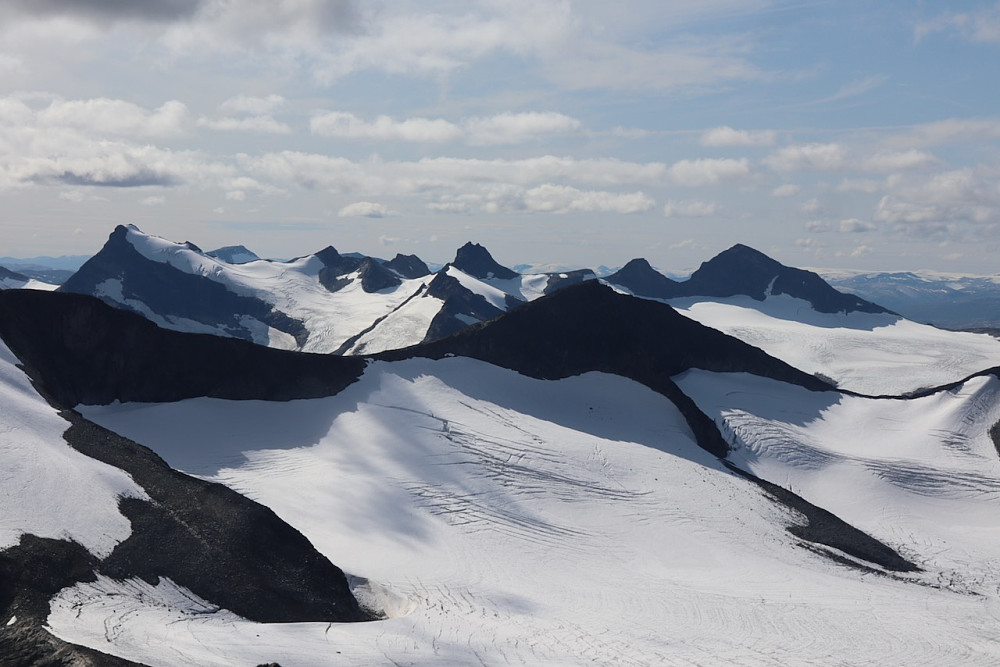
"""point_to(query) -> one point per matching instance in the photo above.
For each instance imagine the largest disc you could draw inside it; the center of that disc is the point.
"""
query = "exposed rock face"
(741, 270)
(122, 277)
(477, 261)
(80, 350)
(408, 266)
(375, 277)
(461, 307)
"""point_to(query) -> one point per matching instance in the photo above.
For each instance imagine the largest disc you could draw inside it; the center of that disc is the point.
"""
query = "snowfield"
(46, 487)
(922, 474)
(504, 520)
(874, 354)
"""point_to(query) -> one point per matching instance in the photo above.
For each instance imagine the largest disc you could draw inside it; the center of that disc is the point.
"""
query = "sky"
(579, 133)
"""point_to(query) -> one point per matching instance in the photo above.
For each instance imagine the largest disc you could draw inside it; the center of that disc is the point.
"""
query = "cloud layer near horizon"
(581, 126)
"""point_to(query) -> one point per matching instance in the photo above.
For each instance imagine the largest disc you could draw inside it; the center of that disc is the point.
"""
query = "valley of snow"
(504, 520)
(47, 488)
(873, 354)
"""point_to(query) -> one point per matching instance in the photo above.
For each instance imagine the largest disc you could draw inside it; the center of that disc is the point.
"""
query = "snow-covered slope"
(871, 353)
(514, 520)
(47, 488)
(922, 474)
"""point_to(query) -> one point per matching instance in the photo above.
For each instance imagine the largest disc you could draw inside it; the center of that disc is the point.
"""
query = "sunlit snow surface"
(875, 354)
(510, 520)
(921, 474)
(48, 488)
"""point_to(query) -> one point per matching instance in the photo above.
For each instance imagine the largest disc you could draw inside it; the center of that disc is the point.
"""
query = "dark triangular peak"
(375, 277)
(642, 279)
(475, 260)
(743, 270)
(408, 266)
(334, 266)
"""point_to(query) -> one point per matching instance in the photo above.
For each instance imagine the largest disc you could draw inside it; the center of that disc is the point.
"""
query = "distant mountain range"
(949, 301)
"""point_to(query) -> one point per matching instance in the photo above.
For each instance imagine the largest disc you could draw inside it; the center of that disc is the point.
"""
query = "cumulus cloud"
(690, 209)
(505, 128)
(515, 128)
(855, 226)
(261, 124)
(562, 199)
(889, 161)
(252, 106)
(105, 116)
(727, 136)
(808, 157)
(705, 171)
(384, 128)
(837, 157)
(950, 202)
(363, 209)
(786, 190)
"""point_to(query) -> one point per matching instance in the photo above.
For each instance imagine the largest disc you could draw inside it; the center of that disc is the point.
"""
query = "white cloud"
(363, 209)
(818, 226)
(505, 128)
(812, 207)
(862, 250)
(515, 128)
(262, 124)
(808, 157)
(348, 126)
(549, 198)
(786, 190)
(855, 226)
(727, 136)
(155, 200)
(951, 130)
(704, 171)
(690, 209)
(103, 116)
(889, 161)
(252, 106)
(859, 185)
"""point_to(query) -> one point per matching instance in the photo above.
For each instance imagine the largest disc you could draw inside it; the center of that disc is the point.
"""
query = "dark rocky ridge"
(80, 350)
(458, 301)
(476, 261)
(563, 279)
(408, 266)
(741, 270)
(171, 292)
(590, 327)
